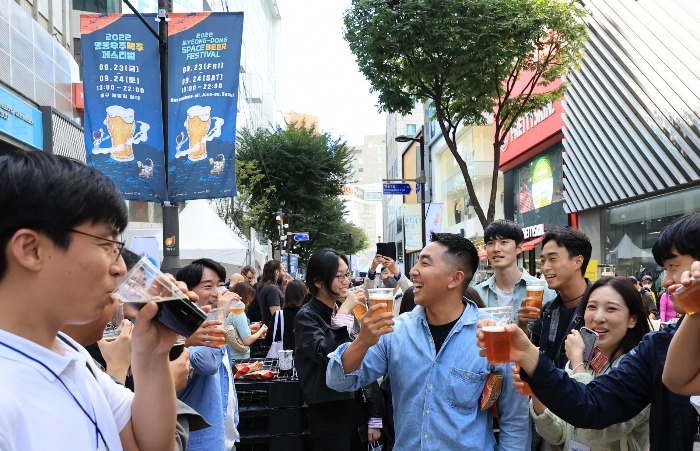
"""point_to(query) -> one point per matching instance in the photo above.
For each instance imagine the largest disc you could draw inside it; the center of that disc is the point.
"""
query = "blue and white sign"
(397, 188)
(301, 237)
(21, 121)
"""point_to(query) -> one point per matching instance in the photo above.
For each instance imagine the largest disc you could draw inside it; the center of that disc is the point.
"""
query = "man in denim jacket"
(436, 373)
(507, 286)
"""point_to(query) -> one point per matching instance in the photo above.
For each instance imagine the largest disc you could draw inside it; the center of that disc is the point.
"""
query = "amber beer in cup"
(535, 291)
(688, 298)
(360, 310)
(382, 296)
(497, 342)
(525, 390)
(218, 314)
(496, 339)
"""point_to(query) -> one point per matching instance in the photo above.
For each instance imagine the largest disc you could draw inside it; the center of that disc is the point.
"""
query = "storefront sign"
(20, 120)
(532, 132)
(433, 220)
(533, 231)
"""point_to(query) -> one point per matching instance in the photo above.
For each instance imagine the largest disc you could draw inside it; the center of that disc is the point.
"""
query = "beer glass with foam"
(144, 283)
(121, 127)
(382, 296)
(197, 125)
(535, 293)
(496, 339)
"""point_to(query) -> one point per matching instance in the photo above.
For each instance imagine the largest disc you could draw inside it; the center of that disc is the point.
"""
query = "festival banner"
(433, 220)
(412, 227)
(204, 55)
(123, 115)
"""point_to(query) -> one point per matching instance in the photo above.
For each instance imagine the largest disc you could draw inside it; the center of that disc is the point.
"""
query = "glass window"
(411, 130)
(98, 6)
(630, 230)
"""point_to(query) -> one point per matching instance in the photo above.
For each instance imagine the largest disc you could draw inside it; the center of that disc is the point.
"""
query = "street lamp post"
(420, 179)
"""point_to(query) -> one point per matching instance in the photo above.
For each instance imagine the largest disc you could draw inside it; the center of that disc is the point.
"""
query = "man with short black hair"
(210, 391)
(565, 256)
(59, 263)
(507, 286)
(437, 375)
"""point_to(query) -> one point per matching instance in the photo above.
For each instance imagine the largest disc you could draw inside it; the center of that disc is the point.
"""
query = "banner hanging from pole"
(204, 54)
(123, 120)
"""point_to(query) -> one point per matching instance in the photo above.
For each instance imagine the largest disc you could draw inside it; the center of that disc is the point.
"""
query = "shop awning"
(530, 245)
(482, 255)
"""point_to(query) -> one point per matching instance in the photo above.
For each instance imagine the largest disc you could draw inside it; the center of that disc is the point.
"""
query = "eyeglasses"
(117, 245)
(342, 277)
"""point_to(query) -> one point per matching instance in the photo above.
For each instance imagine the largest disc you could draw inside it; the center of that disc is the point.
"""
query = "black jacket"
(315, 338)
(621, 394)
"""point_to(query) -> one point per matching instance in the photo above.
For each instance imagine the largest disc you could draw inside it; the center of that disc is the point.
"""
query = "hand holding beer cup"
(687, 293)
(496, 339)
(356, 297)
(521, 351)
(374, 324)
(381, 296)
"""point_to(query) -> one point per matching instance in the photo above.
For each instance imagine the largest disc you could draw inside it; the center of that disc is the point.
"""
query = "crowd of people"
(406, 376)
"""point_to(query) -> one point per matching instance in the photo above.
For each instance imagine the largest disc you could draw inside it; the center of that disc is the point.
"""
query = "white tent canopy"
(627, 249)
(204, 234)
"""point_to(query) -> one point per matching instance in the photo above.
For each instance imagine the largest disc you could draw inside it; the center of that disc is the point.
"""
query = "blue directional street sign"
(397, 188)
(301, 237)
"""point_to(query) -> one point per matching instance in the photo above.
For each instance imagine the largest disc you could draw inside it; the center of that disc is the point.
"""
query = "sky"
(319, 73)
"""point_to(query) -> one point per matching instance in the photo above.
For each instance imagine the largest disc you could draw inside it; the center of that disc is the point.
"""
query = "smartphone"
(590, 340)
(387, 250)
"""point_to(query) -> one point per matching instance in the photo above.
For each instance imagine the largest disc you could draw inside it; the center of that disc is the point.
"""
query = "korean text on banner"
(123, 119)
(413, 230)
(203, 72)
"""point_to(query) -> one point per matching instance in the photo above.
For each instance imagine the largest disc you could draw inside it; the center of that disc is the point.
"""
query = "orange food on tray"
(245, 368)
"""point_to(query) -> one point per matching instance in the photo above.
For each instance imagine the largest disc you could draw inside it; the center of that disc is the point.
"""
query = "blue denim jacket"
(436, 398)
(207, 393)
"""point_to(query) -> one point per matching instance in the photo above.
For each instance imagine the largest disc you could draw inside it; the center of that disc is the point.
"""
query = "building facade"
(632, 136)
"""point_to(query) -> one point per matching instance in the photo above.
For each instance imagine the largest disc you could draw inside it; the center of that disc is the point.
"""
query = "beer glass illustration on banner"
(197, 125)
(121, 127)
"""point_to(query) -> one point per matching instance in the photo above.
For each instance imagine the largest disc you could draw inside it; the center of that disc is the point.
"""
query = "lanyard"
(98, 433)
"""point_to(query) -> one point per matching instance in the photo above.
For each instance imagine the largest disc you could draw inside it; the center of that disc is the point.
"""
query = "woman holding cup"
(238, 319)
(322, 325)
(613, 309)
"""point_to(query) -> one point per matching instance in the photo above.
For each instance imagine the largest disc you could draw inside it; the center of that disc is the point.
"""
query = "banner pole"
(171, 221)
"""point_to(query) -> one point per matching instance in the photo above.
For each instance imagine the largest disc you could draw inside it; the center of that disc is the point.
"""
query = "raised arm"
(682, 369)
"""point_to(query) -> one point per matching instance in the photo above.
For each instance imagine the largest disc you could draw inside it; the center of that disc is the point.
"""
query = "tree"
(300, 172)
(472, 58)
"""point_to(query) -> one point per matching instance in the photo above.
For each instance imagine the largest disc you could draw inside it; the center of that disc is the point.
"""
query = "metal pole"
(421, 175)
(171, 221)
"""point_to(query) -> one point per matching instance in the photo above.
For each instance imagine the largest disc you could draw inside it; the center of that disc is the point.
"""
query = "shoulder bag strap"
(281, 317)
(274, 329)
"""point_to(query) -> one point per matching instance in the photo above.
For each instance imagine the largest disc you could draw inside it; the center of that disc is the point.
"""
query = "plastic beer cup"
(535, 291)
(382, 296)
(496, 339)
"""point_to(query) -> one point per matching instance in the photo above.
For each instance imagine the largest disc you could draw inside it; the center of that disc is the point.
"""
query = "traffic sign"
(397, 188)
(301, 237)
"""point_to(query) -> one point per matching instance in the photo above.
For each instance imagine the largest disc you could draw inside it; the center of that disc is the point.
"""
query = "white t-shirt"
(503, 297)
(37, 412)
(695, 401)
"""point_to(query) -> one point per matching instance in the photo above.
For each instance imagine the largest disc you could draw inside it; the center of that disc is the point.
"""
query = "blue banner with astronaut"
(204, 55)
(123, 115)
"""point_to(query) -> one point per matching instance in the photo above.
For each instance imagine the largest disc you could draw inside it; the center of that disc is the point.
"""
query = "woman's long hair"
(633, 301)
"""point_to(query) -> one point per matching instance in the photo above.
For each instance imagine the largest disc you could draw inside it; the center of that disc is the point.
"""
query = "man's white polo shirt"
(38, 413)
